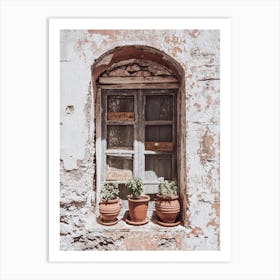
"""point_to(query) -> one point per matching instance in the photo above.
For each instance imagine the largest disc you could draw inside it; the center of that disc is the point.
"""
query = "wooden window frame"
(121, 153)
(138, 153)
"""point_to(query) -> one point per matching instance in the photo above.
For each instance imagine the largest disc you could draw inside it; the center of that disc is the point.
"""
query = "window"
(138, 136)
(138, 122)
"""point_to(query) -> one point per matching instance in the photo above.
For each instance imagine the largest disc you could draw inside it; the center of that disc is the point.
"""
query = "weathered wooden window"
(138, 135)
(138, 126)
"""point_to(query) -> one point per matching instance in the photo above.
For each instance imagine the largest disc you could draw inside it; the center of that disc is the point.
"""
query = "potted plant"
(109, 206)
(137, 202)
(167, 203)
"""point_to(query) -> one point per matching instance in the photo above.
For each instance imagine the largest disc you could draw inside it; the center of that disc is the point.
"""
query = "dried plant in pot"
(137, 202)
(167, 203)
(109, 206)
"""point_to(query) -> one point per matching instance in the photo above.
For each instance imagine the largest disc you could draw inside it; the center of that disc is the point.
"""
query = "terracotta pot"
(109, 210)
(138, 208)
(167, 209)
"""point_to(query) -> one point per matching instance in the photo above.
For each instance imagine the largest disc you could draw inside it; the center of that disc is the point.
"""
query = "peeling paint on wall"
(197, 51)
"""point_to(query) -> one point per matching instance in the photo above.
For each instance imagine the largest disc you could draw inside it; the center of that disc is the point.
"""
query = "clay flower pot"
(138, 209)
(109, 211)
(167, 209)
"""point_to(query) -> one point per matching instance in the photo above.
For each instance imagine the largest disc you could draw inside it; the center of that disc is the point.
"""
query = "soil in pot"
(138, 210)
(167, 209)
(109, 211)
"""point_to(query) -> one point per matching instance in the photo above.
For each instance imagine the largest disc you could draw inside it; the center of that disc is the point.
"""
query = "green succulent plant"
(109, 191)
(135, 187)
(167, 189)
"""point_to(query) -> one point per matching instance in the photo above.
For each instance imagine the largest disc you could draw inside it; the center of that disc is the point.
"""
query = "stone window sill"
(122, 225)
(123, 236)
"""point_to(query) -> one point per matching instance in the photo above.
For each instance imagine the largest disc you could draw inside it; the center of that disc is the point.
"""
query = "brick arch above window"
(141, 52)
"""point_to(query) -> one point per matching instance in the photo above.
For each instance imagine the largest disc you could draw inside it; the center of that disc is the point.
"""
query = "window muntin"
(138, 135)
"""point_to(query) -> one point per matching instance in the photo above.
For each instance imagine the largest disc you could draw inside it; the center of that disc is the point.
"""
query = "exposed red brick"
(196, 231)
(198, 106)
(216, 206)
(150, 241)
(194, 33)
(206, 150)
(212, 223)
(134, 240)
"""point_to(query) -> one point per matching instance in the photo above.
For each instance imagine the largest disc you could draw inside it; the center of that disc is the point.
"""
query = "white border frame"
(222, 24)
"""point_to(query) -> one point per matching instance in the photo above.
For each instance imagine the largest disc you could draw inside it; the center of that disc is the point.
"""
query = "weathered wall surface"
(198, 53)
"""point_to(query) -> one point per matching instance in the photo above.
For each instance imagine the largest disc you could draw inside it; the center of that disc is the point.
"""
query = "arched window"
(140, 120)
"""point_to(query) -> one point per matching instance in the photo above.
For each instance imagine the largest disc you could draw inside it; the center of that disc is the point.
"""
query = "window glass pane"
(120, 137)
(120, 108)
(119, 103)
(119, 168)
(159, 107)
(158, 166)
(158, 133)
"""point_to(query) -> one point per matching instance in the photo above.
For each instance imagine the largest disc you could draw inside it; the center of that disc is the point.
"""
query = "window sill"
(123, 236)
(152, 225)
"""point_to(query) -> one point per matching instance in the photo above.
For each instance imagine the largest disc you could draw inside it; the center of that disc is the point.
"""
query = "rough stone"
(65, 228)
(119, 73)
(167, 244)
(141, 74)
(133, 68)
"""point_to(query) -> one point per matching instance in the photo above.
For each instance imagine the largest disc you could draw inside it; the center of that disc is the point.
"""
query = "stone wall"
(198, 53)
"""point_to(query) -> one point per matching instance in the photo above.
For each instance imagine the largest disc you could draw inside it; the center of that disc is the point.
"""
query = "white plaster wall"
(198, 53)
